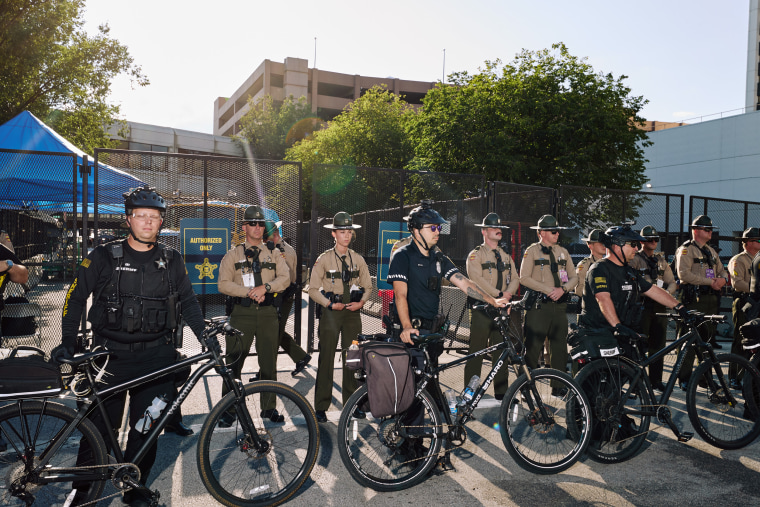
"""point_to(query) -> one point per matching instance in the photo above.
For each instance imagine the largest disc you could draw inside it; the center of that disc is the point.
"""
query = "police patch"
(600, 279)
(85, 263)
(684, 251)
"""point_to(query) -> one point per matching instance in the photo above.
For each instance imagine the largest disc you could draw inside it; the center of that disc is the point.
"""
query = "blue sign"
(388, 234)
(204, 244)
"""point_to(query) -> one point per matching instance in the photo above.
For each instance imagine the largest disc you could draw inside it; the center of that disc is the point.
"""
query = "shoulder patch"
(684, 251)
(86, 263)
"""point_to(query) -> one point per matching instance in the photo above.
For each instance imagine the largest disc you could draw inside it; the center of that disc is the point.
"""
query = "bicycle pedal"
(685, 436)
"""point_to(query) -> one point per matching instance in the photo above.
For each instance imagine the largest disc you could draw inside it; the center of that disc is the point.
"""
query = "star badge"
(160, 263)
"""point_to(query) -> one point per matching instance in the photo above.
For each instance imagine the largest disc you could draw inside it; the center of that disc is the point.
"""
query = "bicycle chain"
(93, 502)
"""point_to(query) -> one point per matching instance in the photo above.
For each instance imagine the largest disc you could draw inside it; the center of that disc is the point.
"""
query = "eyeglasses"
(436, 228)
(254, 223)
(634, 244)
(142, 217)
(552, 231)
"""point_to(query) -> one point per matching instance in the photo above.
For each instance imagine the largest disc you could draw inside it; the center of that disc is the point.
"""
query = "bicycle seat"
(83, 358)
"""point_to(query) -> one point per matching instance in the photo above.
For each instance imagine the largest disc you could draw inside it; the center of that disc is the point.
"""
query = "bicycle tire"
(615, 437)
(42, 425)
(717, 421)
(234, 472)
(374, 451)
(545, 447)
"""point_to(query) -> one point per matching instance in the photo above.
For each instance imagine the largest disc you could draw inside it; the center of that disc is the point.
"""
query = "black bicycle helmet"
(620, 235)
(424, 214)
(144, 197)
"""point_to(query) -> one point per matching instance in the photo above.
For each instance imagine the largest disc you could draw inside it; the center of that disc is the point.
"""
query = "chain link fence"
(731, 218)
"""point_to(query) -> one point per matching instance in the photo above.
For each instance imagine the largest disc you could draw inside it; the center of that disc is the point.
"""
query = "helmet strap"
(623, 260)
(421, 242)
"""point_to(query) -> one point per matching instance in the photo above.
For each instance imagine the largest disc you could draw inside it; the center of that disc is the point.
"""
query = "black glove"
(63, 351)
(687, 316)
(621, 330)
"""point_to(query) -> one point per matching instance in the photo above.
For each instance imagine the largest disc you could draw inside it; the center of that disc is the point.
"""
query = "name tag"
(660, 283)
(248, 280)
(609, 352)
(710, 273)
(563, 276)
(627, 287)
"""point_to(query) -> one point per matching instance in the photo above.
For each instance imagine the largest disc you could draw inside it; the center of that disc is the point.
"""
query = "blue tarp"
(26, 182)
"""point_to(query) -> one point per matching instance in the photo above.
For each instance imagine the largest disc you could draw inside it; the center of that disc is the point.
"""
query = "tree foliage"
(267, 130)
(544, 119)
(371, 132)
(52, 68)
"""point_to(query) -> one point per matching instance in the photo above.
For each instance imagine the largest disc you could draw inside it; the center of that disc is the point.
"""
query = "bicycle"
(623, 401)
(397, 452)
(254, 462)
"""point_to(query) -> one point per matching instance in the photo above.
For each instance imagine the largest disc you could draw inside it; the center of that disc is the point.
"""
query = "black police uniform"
(5, 255)
(134, 295)
(624, 285)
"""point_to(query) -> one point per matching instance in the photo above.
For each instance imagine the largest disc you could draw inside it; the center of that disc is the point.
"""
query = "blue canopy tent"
(36, 180)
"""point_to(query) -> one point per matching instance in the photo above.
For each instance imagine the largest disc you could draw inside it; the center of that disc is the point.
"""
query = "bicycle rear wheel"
(615, 436)
(545, 429)
(379, 453)
(234, 471)
(725, 419)
(28, 429)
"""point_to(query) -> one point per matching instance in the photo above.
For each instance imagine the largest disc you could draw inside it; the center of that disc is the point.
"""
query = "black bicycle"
(623, 402)
(253, 462)
(397, 452)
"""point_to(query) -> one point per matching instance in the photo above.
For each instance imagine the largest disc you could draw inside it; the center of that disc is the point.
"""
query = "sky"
(688, 58)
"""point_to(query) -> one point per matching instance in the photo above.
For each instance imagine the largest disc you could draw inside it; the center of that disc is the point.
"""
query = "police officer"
(548, 269)
(597, 250)
(491, 268)
(655, 270)
(702, 277)
(613, 287)
(288, 344)
(740, 267)
(340, 283)
(139, 289)
(254, 275)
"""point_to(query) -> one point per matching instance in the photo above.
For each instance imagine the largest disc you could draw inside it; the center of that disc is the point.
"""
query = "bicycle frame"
(96, 399)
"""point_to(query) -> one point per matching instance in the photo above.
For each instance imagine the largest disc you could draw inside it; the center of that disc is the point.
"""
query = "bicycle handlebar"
(698, 316)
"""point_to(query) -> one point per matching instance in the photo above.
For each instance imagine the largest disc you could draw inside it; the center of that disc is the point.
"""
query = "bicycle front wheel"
(240, 470)
(545, 429)
(389, 453)
(724, 417)
(617, 432)
(28, 430)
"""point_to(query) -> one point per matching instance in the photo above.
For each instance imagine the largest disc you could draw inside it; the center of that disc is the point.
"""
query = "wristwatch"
(268, 287)
(10, 265)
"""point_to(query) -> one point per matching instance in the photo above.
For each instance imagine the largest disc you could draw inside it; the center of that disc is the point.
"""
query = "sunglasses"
(634, 244)
(254, 223)
(653, 240)
(436, 228)
(552, 231)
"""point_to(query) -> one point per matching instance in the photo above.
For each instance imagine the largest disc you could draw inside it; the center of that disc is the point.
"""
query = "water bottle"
(151, 414)
(470, 389)
(354, 345)
(451, 398)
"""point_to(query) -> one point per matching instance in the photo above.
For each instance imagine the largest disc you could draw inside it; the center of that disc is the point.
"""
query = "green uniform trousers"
(484, 333)
(286, 341)
(655, 328)
(261, 322)
(739, 319)
(549, 321)
(707, 303)
(347, 325)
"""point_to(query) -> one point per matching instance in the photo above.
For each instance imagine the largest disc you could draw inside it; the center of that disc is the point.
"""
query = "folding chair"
(20, 322)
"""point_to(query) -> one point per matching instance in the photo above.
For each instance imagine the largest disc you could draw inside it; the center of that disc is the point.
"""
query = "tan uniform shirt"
(274, 271)
(398, 244)
(536, 273)
(739, 267)
(291, 258)
(692, 265)
(481, 269)
(326, 274)
(583, 267)
(665, 278)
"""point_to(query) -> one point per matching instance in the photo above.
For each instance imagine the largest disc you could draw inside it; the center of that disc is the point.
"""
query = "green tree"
(544, 119)
(371, 132)
(267, 130)
(51, 67)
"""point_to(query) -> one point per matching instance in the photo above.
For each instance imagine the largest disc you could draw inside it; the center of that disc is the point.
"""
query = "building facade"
(327, 92)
